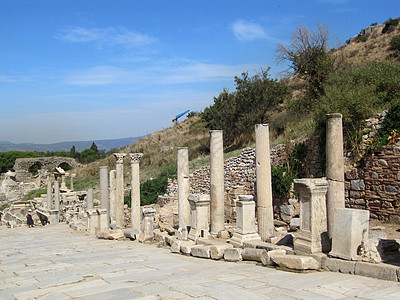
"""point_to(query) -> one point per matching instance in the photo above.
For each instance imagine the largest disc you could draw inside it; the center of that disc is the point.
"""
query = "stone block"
(176, 246)
(186, 247)
(224, 234)
(116, 234)
(254, 254)
(159, 236)
(339, 265)
(350, 227)
(357, 185)
(233, 254)
(379, 271)
(170, 239)
(295, 262)
(266, 261)
(217, 251)
(200, 251)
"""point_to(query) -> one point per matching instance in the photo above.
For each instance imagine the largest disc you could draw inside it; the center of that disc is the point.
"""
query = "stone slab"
(200, 251)
(217, 251)
(296, 262)
(233, 254)
(339, 265)
(380, 271)
(267, 261)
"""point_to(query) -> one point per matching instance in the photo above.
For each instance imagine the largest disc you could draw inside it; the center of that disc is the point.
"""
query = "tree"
(94, 148)
(308, 57)
(72, 152)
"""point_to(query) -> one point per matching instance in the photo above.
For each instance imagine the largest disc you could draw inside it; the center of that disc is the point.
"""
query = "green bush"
(282, 180)
(392, 122)
(297, 160)
(362, 38)
(357, 93)
(7, 159)
(390, 25)
(395, 43)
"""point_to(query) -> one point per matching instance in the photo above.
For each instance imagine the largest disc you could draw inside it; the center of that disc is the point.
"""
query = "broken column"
(335, 197)
(245, 229)
(199, 204)
(135, 192)
(265, 213)
(89, 199)
(63, 185)
(113, 178)
(55, 213)
(119, 191)
(49, 194)
(71, 181)
(147, 224)
(183, 187)
(313, 236)
(104, 197)
(347, 237)
(217, 182)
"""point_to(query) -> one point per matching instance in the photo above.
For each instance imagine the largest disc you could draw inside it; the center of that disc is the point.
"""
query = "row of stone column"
(334, 169)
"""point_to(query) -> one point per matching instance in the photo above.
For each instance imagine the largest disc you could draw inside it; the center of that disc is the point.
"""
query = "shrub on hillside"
(7, 159)
(391, 124)
(356, 93)
(390, 25)
(282, 180)
(395, 43)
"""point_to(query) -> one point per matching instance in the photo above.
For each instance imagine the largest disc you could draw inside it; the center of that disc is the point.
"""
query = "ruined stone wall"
(375, 185)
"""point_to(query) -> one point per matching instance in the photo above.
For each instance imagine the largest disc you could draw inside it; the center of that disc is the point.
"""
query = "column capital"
(135, 157)
(119, 157)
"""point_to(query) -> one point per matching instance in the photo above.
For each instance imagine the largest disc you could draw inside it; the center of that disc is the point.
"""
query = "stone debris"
(200, 251)
(252, 254)
(233, 254)
(217, 251)
(267, 261)
(295, 262)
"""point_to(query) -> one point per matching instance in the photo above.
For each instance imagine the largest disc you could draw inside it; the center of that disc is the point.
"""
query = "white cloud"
(109, 36)
(161, 72)
(246, 31)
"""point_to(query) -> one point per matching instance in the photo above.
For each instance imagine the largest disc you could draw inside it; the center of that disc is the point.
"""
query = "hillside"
(159, 148)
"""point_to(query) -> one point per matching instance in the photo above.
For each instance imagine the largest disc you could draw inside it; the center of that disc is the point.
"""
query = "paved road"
(57, 263)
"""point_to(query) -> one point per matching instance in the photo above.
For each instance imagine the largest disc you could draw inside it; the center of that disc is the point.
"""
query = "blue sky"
(101, 69)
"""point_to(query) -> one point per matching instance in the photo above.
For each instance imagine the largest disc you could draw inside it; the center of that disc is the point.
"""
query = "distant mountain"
(105, 145)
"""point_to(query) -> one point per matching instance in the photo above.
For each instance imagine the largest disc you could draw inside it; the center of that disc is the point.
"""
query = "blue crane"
(178, 116)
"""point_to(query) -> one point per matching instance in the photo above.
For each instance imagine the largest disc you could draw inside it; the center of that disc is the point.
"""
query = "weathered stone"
(357, 185)
(371, 251)
(339, 265)
(186, 247)
(350, 227)
(296, 262)
(199, 216)
(200, 251)
(183, 187)
(294, 223)
(159, 236)
(176, 246)
(233, 254)
(131, 233)
(169, 240)
(135, 192)
(115, 234)
(391, 189)
(217, 251)
(119, 192)
(379, 271)
(267, 261)
(313, 235)
(254, 254)
(383, 162)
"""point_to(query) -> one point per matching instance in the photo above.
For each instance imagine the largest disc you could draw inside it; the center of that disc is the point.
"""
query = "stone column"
(313, 236)
(265, 212)
(245, 229)
(104, 198)
(135, 190)
(119, 192)
(199, 204)
(71, 181)
(183, 187)
(217, 182)
(113, 186)
(56, 196)
(89, 199)
(335, 197)
(49, 194)
(63, 185)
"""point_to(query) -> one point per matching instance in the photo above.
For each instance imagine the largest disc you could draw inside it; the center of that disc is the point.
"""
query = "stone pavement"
(54, 262)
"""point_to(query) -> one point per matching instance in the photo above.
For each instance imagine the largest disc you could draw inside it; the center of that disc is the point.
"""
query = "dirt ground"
(392, 230)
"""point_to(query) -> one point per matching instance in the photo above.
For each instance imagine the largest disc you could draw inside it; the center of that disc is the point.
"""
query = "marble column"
(183, 187)
(56, 214)
(265, 212)
(63, 185)
(119, 192)
(217, 190)
(49, 194)
(335, 197)
(135, 190)
(104, 197)
(71, 181)
(89, 199)
(113, 187)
